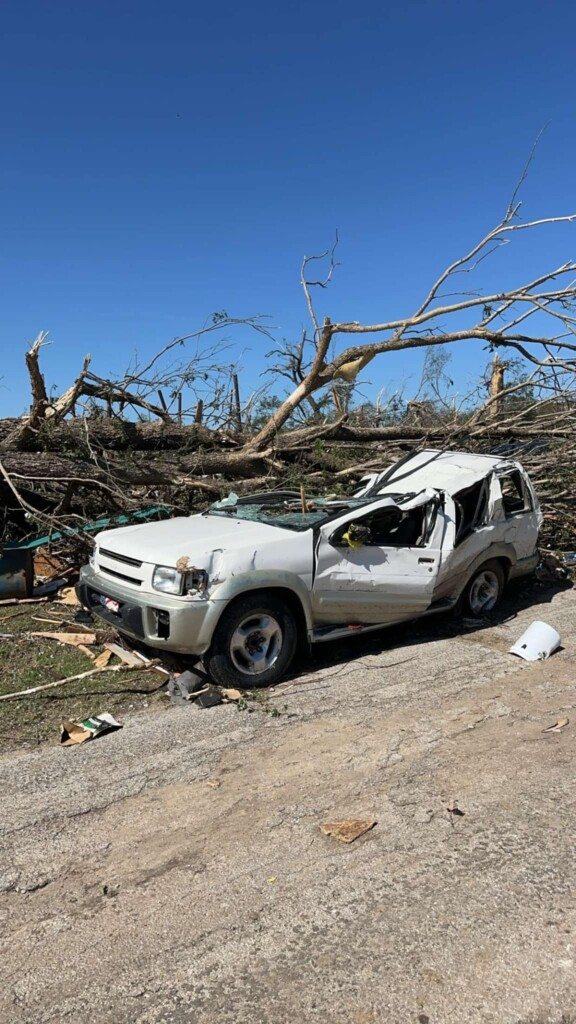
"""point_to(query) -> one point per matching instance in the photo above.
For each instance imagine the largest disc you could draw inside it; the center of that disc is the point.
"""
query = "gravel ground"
(134, 889)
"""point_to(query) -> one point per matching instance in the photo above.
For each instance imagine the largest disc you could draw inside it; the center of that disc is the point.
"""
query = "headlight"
(168, 581)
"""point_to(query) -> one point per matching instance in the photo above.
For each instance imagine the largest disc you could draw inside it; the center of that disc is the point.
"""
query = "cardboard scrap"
(75, 639)
(73, 733)
(231, 694)
(47, 564)
(347, 831)
(68, 596)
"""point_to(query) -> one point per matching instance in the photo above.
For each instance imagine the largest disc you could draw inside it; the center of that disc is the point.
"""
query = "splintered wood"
(130, 658)
(74, 639)
(103, 659)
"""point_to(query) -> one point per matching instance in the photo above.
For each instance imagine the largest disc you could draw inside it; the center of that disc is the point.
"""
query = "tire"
(254, 642)
(484, 590)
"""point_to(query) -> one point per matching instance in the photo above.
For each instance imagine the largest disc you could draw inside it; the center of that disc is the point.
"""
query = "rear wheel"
(254, 642)
(484, 590)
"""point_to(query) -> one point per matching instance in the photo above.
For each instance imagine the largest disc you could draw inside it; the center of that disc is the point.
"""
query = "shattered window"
(471, 509)
(404, 532)
(388, 527)
(514, 495)
(286, 513)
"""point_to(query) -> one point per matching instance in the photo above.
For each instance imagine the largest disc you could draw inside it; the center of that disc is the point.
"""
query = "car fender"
(246, 582)
(453, 586)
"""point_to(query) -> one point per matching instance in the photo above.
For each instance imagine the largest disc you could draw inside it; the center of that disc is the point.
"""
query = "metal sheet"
(16, 573)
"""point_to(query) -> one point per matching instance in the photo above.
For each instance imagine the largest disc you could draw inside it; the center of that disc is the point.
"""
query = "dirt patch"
(226, 903)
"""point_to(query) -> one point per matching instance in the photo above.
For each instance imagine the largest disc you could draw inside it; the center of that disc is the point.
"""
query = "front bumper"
(167, 623)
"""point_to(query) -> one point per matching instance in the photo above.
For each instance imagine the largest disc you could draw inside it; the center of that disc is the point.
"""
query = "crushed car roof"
(446, 471)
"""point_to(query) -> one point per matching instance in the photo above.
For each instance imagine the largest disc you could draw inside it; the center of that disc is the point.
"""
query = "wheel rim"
(484, 592)
(256, 644)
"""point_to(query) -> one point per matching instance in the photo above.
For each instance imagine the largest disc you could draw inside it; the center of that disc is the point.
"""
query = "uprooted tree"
(79, 440)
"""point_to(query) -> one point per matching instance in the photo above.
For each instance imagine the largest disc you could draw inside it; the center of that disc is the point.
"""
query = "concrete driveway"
(135, 890)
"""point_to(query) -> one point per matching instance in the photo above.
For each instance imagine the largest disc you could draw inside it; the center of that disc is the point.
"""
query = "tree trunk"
(496, 389)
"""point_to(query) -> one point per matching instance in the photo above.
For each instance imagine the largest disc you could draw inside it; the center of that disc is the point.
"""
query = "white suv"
(239, 584)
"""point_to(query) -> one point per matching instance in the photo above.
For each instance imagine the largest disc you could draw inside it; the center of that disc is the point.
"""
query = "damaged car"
(242, 583)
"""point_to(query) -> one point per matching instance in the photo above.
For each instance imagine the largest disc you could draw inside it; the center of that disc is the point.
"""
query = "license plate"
(107, 602)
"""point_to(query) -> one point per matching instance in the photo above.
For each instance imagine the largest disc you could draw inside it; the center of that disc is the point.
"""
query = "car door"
(515, 510)
(378, 583)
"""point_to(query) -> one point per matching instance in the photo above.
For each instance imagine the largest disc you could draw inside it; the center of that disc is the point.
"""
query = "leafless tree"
(500, 320)
(165, 388)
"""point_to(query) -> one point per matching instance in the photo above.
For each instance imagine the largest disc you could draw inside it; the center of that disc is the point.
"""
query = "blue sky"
(164, 161)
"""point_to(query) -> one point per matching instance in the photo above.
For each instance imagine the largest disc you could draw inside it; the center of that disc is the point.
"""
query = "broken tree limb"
(138, 470)
(60, 408)
(495, 319)
(44, 408)
(96, 387)
(76, 678)
(37, 384)
(119, 435)
(215, 451)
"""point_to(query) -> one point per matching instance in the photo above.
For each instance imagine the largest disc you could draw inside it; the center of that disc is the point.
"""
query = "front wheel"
(254, 642)
(484, 590)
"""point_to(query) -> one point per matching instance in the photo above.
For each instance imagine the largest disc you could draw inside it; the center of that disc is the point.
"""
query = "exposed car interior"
(386, 527)
(514, 496)
(471, 509)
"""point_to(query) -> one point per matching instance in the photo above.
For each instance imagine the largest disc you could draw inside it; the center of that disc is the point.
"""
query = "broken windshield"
(289, 513)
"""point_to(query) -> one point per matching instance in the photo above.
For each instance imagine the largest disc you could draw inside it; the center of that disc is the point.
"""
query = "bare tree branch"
(512, 205)
(322, 283)
(424, 328)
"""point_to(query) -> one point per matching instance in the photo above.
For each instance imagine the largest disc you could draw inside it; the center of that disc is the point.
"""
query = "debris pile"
(84, 476)
(111, 451)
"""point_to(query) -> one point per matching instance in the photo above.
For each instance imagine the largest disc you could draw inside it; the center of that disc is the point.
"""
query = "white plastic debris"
(537, 643)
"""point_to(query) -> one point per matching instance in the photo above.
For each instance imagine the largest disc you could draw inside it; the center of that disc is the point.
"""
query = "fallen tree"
(177, 431)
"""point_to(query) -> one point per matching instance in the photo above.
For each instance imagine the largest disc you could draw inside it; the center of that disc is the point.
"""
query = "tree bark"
(114, 435)
(135, 471)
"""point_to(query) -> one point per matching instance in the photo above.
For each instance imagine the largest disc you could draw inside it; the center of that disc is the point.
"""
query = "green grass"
(27, 661)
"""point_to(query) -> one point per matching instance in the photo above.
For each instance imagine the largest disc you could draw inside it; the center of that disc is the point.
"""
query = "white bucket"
(537, 643)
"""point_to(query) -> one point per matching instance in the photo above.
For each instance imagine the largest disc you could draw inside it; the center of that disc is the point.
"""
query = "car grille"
(110, 563)
(120, 576)
(120, 558)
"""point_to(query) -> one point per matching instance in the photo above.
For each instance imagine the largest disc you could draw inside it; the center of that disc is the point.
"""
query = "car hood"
(196, 538)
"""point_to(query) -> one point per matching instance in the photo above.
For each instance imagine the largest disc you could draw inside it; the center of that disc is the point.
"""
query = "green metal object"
(17, 558)
(158, 511)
